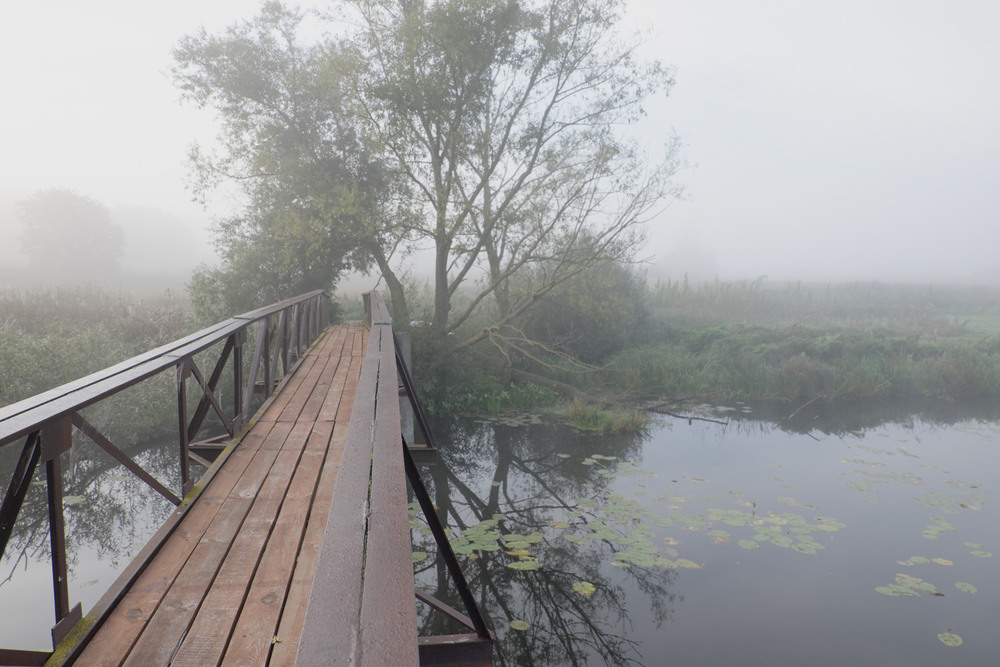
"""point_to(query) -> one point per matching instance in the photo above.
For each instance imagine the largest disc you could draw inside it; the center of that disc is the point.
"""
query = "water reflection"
(510, 474)
(790, 537)
(109, 515)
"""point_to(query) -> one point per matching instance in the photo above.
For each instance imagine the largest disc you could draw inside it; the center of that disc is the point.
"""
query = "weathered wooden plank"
(172, 618)
(350, 366)
(290, 387)
(294, 611)
(338, 581)
(333, 362)
(208, 634)
(256, 628)
(128, 618)
(388, 619)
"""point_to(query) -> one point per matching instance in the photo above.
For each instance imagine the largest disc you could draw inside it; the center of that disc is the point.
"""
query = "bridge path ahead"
(231, 584)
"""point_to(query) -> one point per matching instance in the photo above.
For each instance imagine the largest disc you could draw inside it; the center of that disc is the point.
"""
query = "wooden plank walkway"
(231, 584)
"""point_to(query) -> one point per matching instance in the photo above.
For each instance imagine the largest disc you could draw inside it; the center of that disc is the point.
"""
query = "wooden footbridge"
(294, 547)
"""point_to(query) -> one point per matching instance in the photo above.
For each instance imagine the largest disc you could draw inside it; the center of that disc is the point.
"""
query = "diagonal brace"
(101, 441)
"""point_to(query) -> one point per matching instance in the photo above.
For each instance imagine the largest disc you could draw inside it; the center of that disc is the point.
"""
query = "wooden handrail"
(17, 419)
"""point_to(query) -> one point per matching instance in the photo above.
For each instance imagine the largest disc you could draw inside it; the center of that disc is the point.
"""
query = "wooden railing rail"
(44, 424)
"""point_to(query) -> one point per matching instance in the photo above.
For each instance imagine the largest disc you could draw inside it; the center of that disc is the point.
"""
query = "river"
(831, 539)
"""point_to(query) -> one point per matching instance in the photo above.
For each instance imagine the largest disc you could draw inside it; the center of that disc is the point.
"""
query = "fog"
(824, 140)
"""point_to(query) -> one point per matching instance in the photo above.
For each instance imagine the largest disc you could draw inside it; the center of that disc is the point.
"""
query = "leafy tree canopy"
(488, 131)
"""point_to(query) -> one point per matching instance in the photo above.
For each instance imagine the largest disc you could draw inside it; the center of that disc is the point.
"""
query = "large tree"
(312, 196)
(68, 236)
(488, 131)
(506, 118)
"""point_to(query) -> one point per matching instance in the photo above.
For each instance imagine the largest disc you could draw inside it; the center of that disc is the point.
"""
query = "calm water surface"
(726, 544)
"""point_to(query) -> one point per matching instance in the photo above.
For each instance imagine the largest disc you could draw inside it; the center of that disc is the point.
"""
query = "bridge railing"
(44, 425)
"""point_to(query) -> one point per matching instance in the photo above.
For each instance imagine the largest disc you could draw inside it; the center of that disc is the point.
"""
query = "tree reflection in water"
(516, 475)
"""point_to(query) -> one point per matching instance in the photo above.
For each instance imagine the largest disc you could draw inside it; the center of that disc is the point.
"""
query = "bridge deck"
(231, 584)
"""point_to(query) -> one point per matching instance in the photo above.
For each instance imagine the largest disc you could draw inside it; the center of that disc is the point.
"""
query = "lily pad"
(966, 588)
(584, 588)
(950, 639)
(981, 554)
(524, 565)
(748, 544)
(518, 624)
(419, 557)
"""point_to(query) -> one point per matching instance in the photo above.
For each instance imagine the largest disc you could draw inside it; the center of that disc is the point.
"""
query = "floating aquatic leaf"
(748, 544)
(518, 624)
(584, 588)
(576, 539)
(689, 564)
(942, 561)
(419, 557)
(563, 456)
(70, 501)
(950, 639)
(908, 585)
(519, 553)
(718, 536)
(966, 588)
(670, 540)
(981, 554)
(524, 565)
(495, 484)
(973, 545)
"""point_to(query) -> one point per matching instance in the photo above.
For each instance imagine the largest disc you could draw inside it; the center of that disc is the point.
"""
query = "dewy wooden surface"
(364, 575)
(231, 584)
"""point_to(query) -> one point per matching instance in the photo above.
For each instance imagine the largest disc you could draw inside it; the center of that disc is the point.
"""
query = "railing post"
(57, 438)
(183, 370)
(239, 419)
(266, 359)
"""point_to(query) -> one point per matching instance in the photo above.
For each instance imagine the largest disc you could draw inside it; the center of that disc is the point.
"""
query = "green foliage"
(314, 193)
(588, 417)
(49, 338)
(593, 314)
(743, 341)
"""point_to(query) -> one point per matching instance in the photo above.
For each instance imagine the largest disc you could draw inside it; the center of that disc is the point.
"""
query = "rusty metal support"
(10, 656)
(208, 393)
(444, 546)
(239, 417)
(183, 370)
(57, 438)
(259, 351)
(20, 481)
(208, 399)
(276, 356)
(102, 441)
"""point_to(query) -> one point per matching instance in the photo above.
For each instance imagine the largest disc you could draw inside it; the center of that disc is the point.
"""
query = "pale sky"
(829, 140)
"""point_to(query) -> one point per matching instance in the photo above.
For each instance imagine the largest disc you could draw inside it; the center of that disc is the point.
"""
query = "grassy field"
(748, 341)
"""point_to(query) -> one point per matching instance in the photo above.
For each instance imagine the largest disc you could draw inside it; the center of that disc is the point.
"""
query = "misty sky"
(855, 139)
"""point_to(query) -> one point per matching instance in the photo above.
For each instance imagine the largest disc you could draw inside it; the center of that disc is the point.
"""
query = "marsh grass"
(745, 341)
(590, 417)
(52, 336)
